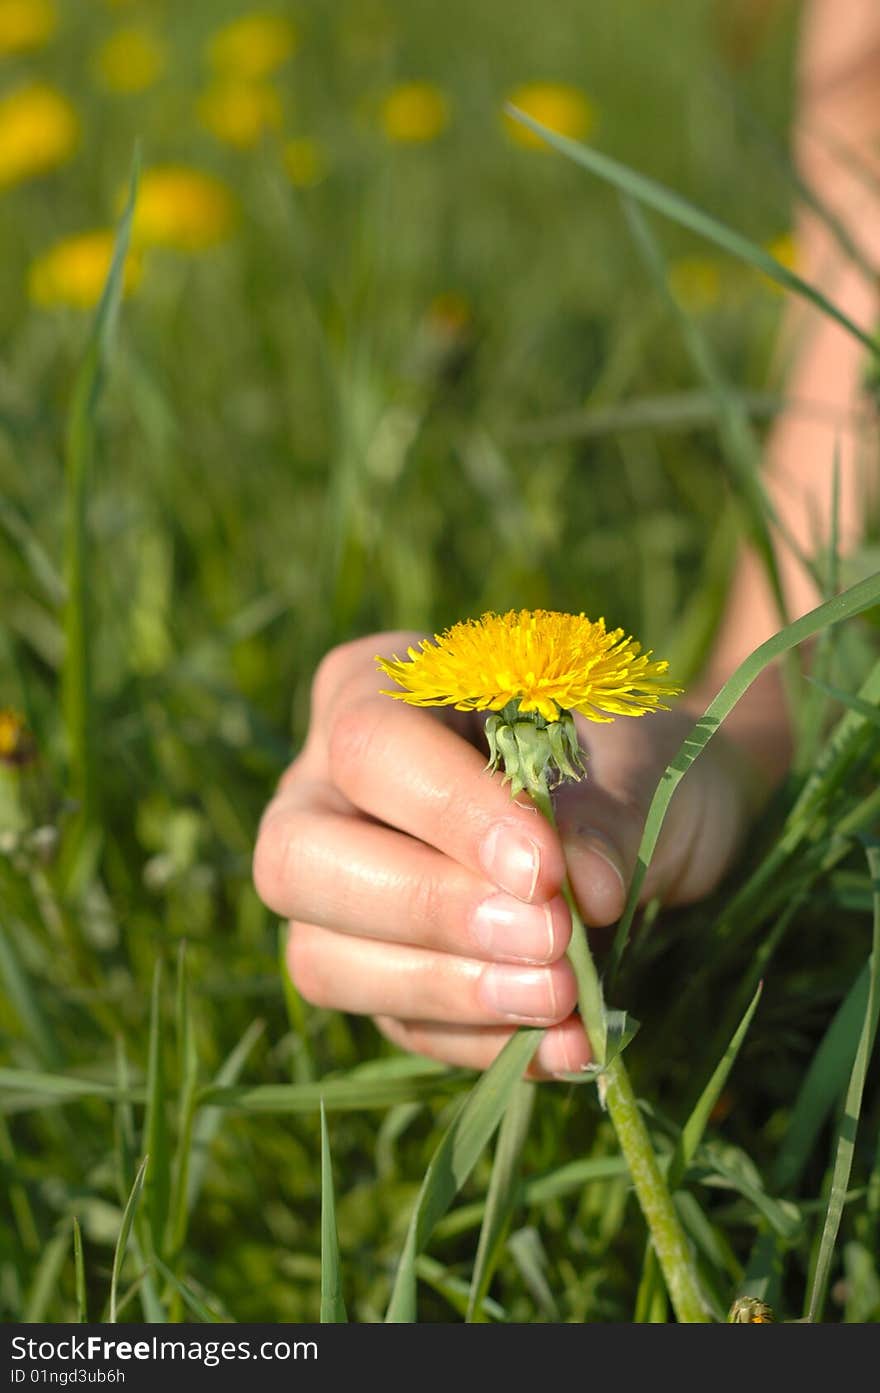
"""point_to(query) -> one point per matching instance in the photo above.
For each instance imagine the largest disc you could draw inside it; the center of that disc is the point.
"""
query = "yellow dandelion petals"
(547, 661)
(696, 282)
(252, 47)
(240, 113)
(305, 162)
(413, 113)
(39, 130)
(183, 208)
(562, 108)
(26, 24)
(73, 272)
(131, 60)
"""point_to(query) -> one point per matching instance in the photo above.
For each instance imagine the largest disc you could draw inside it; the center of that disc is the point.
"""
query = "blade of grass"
(680, 210)
(77, 696)
(503, 1194)
(823, 1084)
(209, 1119)
(188, 1296)
(846, 1136)
(303, 1065)
(155, 1133)
(339, 1094)
(849, 603)
(332, 1303)
(47, 1276)
(188, 1082)
(128, 1216)
(455, 1157)
(79, 1274)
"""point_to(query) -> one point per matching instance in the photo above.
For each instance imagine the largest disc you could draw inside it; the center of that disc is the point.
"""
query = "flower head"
(26, 24)
(546, 662)
(413, 113)
(182, 208)
(240, 113)
(73, 271)
(130, 60)
(253, 46)
(556, 105)
(17, 745)
(38, 130)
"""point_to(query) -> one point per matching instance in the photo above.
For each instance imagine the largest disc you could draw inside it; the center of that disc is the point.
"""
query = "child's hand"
(420, 894)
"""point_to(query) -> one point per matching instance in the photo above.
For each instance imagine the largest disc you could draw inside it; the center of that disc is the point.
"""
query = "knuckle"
(427, 907)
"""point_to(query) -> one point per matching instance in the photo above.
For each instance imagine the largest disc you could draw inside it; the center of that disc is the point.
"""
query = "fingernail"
(511, 859)
(524, 994)
(587, 839)
(504, 927)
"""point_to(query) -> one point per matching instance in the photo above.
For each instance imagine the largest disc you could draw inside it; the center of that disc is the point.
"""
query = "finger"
(409, 771)
(563, 1048)
(358, 878)
(387, 979)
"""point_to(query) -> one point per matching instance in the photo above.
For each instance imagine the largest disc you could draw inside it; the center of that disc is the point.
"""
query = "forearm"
(838, 111)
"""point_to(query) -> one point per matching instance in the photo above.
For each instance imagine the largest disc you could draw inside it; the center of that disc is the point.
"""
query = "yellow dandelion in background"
(696, 282)
(784, 250)
(17, 745)
(26, 24)
(182, 208)
(547, 662)
(414, 112)
(562, 108)
(240, 113)
(130, 60)
(38, 131)
(73, 271)
(305, 162)
(253, 46)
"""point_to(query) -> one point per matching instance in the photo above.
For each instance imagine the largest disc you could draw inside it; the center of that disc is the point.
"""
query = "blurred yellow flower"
(253, 46)
(562, 108)
(38, 130)
(240, 113)
(130, 60)
(17, 745)
(414, 112)
(183, 208)
(26, 24)
(696, 282)
(73, 271)
(305, 162)
(784, 249)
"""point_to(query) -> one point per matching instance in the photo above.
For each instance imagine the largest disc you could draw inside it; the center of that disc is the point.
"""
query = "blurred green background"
(381, 363)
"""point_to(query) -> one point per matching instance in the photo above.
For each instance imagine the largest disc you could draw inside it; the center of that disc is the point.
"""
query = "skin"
(417, 892)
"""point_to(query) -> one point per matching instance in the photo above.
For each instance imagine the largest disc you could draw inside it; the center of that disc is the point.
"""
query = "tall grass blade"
(680, 210)
(846, 1137)
(332, 1303)
(864, 595)
(79, 1274)
(128, 1217)
(47, 1276)
(155, 1135)
(504, 1191)
(454, 1159)
(823, 1084)
(77, 696)
(189, 1298)
(208, 1120)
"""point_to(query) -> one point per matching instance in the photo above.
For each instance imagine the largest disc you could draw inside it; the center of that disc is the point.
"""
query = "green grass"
(289, 449)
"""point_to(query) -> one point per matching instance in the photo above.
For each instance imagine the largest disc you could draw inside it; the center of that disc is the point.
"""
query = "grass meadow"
(377, 360)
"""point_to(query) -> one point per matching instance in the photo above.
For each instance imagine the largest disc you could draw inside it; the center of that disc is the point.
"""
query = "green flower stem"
(617, 1094)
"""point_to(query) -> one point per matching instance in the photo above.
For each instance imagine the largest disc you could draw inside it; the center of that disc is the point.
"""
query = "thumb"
(600, 836)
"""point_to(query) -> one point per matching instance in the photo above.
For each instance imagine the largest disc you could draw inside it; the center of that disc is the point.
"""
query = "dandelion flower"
(252, 47)
(183, 208)
(414, 113)
(305, 162)
(74, 271)
(26, 24)
(130, 60)
(562, 108)
(240, 113)
(546, 661)
(696, 282)
(38, 131)
(17, 745)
